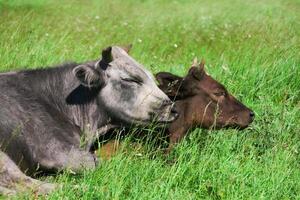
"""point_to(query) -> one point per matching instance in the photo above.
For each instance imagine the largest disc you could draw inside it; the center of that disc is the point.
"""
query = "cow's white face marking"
(131, 93)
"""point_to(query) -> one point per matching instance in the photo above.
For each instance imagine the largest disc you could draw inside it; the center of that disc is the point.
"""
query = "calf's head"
(210, 104)
(126, 90)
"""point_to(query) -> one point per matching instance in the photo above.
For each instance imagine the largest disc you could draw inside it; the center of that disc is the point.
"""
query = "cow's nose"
(166, 102)
(174, 112)
(252, 115)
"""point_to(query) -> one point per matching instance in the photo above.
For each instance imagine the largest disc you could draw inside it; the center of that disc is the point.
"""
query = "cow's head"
(210, 102)
(126, 89)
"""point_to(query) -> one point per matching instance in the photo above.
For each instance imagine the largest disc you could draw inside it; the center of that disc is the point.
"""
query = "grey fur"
(50, 117)
(13, 180)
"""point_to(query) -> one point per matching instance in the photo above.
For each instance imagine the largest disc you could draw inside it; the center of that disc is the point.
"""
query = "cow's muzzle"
(166, 113)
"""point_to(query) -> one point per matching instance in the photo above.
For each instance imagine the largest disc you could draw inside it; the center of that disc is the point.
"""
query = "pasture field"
(252, 47)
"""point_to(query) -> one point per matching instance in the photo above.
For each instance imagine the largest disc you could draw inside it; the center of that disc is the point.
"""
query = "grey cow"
(49, 118)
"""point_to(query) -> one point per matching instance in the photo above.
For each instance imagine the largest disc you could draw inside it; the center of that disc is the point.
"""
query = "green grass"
(252, 47)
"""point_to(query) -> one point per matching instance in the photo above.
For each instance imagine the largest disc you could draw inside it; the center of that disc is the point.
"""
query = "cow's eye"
(132, 80)
(220, 94)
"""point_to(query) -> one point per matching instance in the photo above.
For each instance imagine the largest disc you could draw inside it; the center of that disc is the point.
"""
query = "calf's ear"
(167, 79)
(197, 71)
(169, 84)
(88, 76)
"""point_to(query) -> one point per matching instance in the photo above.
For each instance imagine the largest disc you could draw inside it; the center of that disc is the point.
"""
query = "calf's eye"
(220, 94)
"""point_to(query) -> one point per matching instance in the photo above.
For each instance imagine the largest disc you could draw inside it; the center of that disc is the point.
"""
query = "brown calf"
(202, 102)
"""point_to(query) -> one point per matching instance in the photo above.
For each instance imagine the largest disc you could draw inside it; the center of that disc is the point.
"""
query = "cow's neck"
(63, 91)
(92, 120)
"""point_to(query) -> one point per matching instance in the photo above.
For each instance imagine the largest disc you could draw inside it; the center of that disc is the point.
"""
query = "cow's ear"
(196, 73)
(106, 58)
(197, 69)
(107, 55)
(88, 76)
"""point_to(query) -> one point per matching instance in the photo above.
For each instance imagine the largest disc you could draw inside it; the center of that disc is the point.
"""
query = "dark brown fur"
(201, 101)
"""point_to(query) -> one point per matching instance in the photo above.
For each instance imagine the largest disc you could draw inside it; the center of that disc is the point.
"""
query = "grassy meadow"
(252, 47)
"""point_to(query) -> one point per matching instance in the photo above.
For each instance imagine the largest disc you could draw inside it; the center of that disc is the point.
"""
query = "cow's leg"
(72, 159)
(13, 181)
(78, 160)
(58, 147)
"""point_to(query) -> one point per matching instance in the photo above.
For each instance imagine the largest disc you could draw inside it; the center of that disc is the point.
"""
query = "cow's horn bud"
(195, 62)
(202, 64)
